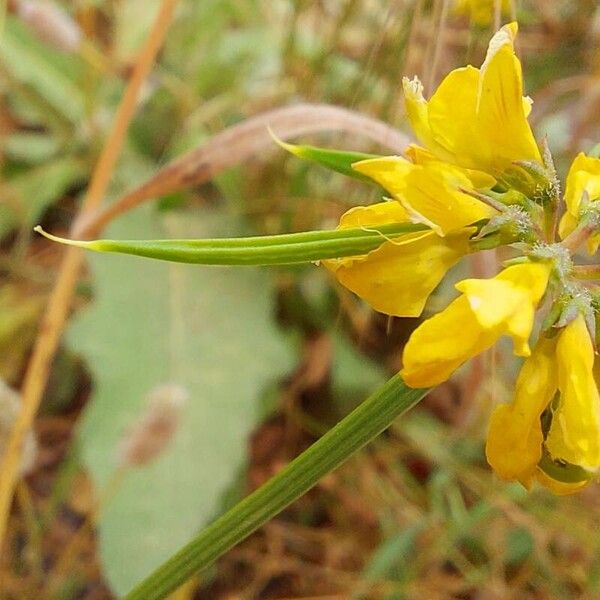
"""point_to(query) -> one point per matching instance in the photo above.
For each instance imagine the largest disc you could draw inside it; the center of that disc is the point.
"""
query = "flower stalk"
(367, 421)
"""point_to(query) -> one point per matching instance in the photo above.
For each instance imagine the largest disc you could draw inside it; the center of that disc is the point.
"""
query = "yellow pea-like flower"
(574, 435)
(477, 118)
(398, 277)
(430, 191)
(515, 437)
(583, 179)
(486, 310)
(516, 441)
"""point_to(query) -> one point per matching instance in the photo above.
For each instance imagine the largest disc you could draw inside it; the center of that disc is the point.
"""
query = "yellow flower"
(583, 178)
(481, 12)
(477, 118)
(486, 310)
(398, 277)
(564, 457)
(515, 437)
(430, 192)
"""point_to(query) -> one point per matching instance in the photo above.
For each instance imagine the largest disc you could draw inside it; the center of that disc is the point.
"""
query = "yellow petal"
(452, 120)
(488, 309)
(429, 191)
(479, 180)
(509, 300)
(398, 277)
(442, 343)
(584, 176)
(382, 213)
(481, 12)
(574, 434)
(515, 437)
(417, 110)
(568, 223)
(501, 118)
(477, 119)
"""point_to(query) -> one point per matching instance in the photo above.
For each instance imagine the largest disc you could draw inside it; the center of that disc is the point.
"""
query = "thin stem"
(586, 271)
(237, 144)
(337, 445)
(581, 235)
(439, 45)
(60, 299)
(492, 202)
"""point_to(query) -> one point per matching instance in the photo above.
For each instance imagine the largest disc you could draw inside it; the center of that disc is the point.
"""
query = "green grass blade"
(337, 445)
(286, 249)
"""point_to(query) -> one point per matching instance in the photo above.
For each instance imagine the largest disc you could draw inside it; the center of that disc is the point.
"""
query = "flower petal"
(452, 120)
(429, 191)
(509, 299)
(481, 12)
(515, 437)
(442, 343)
(501, 119)
(574, 434)
(477, 119)
(398, 277)
(584, 176)
(417, 110)
(488, 309)
(382, 213)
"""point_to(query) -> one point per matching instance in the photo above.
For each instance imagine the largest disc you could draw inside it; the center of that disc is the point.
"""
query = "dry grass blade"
(241, 142)
(60, 299)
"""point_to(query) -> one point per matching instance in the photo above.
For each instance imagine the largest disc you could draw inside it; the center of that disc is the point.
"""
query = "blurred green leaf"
(35, 189)
(30, 148)
(208, 329)
(519, 545)
(393, 555)
(33, 64)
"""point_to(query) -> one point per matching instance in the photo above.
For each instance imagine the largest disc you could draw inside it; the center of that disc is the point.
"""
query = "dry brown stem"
(60, 299)
(239, 143)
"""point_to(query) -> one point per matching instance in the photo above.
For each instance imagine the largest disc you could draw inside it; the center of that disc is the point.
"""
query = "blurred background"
(237, 370)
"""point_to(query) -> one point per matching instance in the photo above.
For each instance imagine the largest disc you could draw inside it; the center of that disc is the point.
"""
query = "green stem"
(337, 445)
(286, 249)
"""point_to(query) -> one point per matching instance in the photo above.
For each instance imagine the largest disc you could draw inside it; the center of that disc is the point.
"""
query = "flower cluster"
(479, 180)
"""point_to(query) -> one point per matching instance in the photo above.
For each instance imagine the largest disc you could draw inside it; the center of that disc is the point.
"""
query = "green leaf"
(354, 431)
(33, 148)
(36, 188)
(286, 249)
(43, 69)
(210, 330)
(336, 160)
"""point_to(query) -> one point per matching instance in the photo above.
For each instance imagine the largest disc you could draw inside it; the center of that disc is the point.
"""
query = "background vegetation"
(268, 359)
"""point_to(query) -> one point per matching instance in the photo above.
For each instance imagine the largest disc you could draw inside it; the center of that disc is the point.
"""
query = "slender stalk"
(286, 249)
(337, 445)
(586, 271)
(583, 232)
(54, 318)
